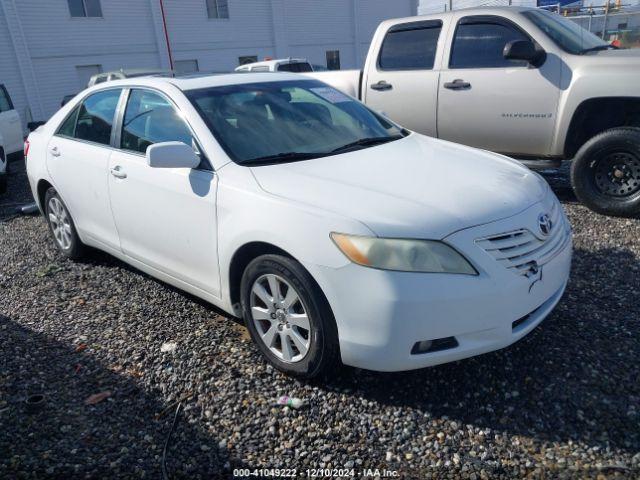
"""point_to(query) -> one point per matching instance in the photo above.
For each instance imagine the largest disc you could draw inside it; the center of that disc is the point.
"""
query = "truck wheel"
(3, 184)
(605, 173)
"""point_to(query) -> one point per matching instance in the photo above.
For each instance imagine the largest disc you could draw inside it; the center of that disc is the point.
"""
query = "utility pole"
(606, 15)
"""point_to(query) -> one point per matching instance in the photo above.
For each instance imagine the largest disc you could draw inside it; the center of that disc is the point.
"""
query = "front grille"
(520, 249)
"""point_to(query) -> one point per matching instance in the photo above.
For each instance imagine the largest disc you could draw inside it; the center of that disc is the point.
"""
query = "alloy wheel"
(280, 318)
(60, 223)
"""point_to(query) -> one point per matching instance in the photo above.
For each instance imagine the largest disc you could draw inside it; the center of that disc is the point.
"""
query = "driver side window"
(149, 118)
(480, 44)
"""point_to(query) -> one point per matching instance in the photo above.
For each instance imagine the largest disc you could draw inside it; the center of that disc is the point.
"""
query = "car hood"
(416, 187)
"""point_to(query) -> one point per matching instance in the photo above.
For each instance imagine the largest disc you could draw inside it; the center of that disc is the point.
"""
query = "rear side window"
(69, 125)
(480, 43)
(5, 100)
(295, 67)
(95, 117)
(410, 46)
(150, 118)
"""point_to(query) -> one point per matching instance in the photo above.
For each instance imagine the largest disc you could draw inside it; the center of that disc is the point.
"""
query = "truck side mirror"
(522, 50)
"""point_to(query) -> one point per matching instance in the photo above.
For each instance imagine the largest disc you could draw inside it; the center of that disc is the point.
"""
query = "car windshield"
(565, 33)
(275, 122)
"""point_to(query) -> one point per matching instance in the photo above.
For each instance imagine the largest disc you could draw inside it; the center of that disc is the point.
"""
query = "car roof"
(206, 81)
(275, 61)
(467, 11)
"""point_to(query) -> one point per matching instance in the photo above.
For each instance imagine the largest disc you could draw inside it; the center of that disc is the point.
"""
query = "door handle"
(117, 172)
(55, 151)
(457, 84)
(381, 85)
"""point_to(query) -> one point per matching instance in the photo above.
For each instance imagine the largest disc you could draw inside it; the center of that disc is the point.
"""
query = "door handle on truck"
(55, 151)
(457, 84)
(381, 85)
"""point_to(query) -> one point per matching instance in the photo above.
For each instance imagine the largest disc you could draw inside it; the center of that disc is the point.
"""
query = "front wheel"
(288, 316)
(3, 183)
(605, 173)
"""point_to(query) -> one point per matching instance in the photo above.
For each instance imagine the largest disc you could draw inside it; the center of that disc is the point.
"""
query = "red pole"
(166, 34)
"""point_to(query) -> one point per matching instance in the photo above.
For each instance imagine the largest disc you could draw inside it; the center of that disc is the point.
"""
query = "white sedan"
(336, 234)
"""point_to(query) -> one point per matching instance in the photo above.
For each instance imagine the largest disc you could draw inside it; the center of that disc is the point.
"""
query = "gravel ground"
(562, 403)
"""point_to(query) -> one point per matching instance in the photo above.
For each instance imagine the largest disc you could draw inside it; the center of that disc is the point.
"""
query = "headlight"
(402, 255)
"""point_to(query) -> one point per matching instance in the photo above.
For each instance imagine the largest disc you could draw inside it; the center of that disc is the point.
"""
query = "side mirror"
(521, 50)
(172, 155)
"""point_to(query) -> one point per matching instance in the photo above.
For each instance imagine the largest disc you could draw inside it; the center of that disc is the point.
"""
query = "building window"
(218, 8)
(85, 8)
(186, 66)
(247, 59)
(85, 72)
(333, 59)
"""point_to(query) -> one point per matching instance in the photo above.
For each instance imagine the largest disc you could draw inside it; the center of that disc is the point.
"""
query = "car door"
(166, 217)
(490, 102)
(10, 125)
(402, 82)
(78, 161)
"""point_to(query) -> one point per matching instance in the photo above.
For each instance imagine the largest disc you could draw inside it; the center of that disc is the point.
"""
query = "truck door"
(10, 125)
(401, 82)
(493, 103)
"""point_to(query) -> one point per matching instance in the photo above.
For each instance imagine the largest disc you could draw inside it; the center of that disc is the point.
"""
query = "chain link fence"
(619, 23)
(620, 28)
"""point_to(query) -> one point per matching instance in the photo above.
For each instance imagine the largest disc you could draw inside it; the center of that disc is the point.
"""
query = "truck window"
(479, 44)
(410, 46)
(5, 100)
(295, 67)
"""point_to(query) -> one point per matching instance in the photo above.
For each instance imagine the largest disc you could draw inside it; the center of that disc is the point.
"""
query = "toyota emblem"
(545, 224)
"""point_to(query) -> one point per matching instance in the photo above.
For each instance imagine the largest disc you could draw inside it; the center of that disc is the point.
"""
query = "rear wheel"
(605, 173)
(288, 316)
(61, 226)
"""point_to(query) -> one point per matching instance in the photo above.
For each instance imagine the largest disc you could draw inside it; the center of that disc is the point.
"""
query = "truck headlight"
(404, 255)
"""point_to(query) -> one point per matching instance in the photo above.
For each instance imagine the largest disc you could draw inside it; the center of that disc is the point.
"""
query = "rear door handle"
(381, 85)
(55, 151)
(457, 84)
(117, 172)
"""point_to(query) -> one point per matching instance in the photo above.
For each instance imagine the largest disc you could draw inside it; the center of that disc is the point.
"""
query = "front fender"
(247, 214)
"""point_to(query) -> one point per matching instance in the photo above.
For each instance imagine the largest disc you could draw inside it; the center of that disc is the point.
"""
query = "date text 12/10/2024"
(315, 473)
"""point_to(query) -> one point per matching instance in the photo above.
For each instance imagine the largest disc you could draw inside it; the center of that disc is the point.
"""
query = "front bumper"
(382, 314)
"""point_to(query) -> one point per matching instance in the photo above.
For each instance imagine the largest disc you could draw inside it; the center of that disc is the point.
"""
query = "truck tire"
(3, 184)
(605, 172)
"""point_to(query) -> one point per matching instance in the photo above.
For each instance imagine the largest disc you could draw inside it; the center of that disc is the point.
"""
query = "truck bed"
(347, 81)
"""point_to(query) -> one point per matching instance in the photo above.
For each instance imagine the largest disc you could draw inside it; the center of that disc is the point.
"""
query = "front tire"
(61, 226)
(3, 184)
(288, 317)
(605, 173)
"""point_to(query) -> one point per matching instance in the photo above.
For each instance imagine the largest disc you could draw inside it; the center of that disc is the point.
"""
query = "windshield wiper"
(281, 157)
(597, 48)
(365, 142)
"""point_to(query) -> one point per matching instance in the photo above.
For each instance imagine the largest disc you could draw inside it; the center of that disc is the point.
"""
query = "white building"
(50, 48)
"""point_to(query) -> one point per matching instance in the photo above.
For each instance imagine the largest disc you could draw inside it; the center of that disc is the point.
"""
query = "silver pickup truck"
(519, 81)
